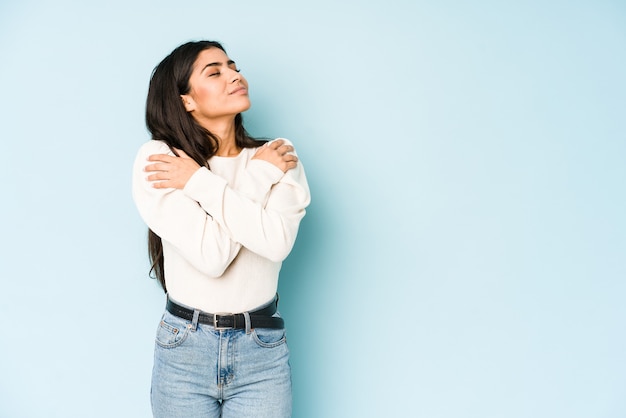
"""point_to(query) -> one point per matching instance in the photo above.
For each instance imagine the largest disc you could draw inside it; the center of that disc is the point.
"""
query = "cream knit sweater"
(227, 232)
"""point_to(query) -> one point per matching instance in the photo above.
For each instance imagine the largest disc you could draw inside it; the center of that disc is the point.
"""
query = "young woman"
(223, 212)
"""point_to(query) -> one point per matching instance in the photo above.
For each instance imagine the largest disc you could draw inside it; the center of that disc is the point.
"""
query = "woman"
(223, 212)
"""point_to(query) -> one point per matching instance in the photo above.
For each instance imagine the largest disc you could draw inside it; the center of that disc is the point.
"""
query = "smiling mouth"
(240, 90)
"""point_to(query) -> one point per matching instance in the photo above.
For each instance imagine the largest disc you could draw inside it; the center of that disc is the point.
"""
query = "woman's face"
(217, 91)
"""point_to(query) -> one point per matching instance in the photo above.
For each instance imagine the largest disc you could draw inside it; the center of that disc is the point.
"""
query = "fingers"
(156, 167)
(290, 158)
(159, 179)
(290, 165)
(161, 185)
(161, 157)
(284, 149)
(158, 176)
(289, 161)
(167, 171)
(278, 153)
(280, 147)
(164, 162)
(159, 171)
(275, 144)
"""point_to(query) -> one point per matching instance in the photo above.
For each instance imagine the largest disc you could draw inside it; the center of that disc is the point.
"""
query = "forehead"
(209, 56)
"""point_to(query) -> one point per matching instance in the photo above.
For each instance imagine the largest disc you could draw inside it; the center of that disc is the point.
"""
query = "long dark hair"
(168, 121)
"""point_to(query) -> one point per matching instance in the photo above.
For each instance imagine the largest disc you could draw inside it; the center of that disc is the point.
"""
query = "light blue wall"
(465, 251)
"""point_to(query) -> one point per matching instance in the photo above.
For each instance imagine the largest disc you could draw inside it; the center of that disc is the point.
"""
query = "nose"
(235, 76)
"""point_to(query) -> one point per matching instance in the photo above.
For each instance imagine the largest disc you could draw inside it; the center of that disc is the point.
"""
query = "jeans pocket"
(172, 331)
(269, 337)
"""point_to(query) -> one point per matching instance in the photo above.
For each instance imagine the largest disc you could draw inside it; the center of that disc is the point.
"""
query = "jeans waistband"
(259, 318)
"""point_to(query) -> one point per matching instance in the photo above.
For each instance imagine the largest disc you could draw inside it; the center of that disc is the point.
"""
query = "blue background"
(465, 251)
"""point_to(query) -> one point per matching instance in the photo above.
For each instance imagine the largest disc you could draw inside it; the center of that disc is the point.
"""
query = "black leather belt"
(260, 318)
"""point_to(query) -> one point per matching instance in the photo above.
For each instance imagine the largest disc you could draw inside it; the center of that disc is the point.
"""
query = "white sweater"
(227, 232)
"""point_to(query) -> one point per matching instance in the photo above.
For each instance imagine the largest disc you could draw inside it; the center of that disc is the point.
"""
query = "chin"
(246, 107)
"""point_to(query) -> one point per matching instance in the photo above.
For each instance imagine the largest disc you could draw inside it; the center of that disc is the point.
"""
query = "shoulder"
(250, 151)
(154, 147)
(287, 141)
(147, 149)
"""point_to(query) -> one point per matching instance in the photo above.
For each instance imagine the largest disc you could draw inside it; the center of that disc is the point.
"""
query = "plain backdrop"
(465, 251)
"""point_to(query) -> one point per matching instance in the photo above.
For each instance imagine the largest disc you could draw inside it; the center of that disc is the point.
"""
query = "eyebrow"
(216, 64)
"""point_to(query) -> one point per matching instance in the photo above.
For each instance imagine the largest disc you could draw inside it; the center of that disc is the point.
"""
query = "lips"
(239, 90)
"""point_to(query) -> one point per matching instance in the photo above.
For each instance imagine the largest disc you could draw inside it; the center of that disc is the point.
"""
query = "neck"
(225, 132)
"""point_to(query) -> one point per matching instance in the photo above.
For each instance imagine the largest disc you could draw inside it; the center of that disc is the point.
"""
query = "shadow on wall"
(303, 287)
(301, 282)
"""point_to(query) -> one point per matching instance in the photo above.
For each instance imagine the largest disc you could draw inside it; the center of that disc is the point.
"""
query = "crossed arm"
(174, 172)
(206, 220)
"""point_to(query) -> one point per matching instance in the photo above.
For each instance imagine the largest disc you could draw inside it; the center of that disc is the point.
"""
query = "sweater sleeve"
(257, 180)
(179, 220)
(267, 227)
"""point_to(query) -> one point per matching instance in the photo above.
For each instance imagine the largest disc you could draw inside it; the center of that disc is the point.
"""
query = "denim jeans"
(203, 372)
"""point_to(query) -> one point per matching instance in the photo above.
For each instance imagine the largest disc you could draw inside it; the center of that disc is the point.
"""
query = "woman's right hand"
(277, 153)
(170, 171)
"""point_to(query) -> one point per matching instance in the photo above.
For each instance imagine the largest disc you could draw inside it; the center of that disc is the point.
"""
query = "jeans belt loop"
(246, 316)
(194, 321)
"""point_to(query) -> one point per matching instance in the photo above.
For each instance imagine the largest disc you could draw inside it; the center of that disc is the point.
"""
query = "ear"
(188, 102)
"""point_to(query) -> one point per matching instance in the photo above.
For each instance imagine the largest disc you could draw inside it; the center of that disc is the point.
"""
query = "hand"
(277, 153)
(169, 171)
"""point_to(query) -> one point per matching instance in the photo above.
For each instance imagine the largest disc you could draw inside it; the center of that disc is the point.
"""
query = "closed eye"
(218, 73)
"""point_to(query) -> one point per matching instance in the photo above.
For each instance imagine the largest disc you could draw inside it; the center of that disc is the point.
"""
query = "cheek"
(202, 95)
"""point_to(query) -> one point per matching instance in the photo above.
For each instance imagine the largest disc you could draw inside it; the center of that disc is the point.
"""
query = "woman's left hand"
(169, 171)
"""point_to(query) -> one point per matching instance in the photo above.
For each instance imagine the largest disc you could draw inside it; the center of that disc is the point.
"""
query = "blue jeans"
(203, 372)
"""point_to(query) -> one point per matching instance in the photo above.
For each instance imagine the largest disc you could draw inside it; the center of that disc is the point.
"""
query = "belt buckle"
(218, 328)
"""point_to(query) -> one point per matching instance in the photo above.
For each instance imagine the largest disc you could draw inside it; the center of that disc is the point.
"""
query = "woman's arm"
(179, 220)
(265, 169)
(264, 213)
(266, 228)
